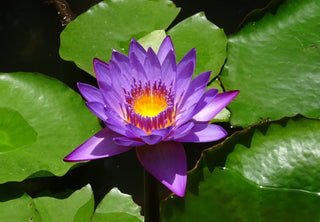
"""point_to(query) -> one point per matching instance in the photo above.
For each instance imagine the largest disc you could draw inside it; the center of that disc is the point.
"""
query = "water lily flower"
(149, 102)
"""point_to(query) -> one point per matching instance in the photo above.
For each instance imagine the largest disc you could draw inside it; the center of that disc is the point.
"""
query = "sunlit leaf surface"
(275, 63)
(273, 178)
(41, 121)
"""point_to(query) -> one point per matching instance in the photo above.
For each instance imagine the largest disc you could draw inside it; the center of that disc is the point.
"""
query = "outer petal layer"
(166, 161)
(165, 47)
(98, 146)
(90, 93)
(213, 108)
(202, 133)
(97, 109)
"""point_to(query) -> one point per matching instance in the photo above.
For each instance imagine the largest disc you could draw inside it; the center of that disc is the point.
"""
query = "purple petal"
(101, 69)
(162, 132)
(185, 116)
(183, 81)
(165, 47)
(152, 65)
(195, 91)
(189, 57)
(111, 97)
(169, 68)
(213, 108)
(90, 93)
(117, 124)
(181, 131)
(97, 109)
(137, 70)
(137, 132)
(151, 139)
(136, 49)
(206, 99)
(98, 146)
(122, 61)
(121, 70)
(125, 141)
(167, 162)
(185, 70)
(204, 133)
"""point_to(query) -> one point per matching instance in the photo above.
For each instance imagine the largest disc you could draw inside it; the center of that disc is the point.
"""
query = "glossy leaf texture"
(117, 207)
(272, 174)
(275, 63)
(18, 206)
(41, 121)
(209, 40)
(112, 24)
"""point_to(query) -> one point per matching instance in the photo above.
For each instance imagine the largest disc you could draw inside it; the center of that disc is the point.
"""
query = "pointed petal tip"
(98, 146)
(74, 158)
(179, 187)
(96, 60)
(167, 162)
(217, 104)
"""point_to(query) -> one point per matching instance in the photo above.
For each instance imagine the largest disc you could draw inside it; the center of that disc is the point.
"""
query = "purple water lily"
(149, 102)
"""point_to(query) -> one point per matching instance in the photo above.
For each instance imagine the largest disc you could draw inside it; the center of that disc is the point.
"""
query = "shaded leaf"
(117, 206)
(23, 208)
(276, 179)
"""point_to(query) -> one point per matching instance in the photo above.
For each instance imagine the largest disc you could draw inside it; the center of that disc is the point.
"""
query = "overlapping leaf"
(116, 207)
(112, 24)
(18, 206)
(276, 179)
(275, 63)
(41, 121)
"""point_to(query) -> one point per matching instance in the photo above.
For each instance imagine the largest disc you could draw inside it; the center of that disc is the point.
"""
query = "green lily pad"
(111, 25)
(227, 197)
(18, 206)
(275, 179)
(41, 121)
(153, 40)
(209, 40)
(285, 157)
(116, 207)
(275, 63)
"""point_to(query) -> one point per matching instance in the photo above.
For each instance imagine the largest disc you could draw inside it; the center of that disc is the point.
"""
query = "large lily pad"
(117, 207)
(41, 121)
(226, 196)
(275, 179)
(18, 206)
(112, 24)
(209, 40)
(275, 63)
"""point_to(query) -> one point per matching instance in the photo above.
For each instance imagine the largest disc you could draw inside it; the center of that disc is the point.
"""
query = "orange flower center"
(149, 107)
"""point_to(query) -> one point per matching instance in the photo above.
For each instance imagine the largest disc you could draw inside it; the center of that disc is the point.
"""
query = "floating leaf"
(41, 121)
(111, 25)
(276, 179)
(117, 207)
(275, 63)
(153, 40)
(18, 206)
(209, 40)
